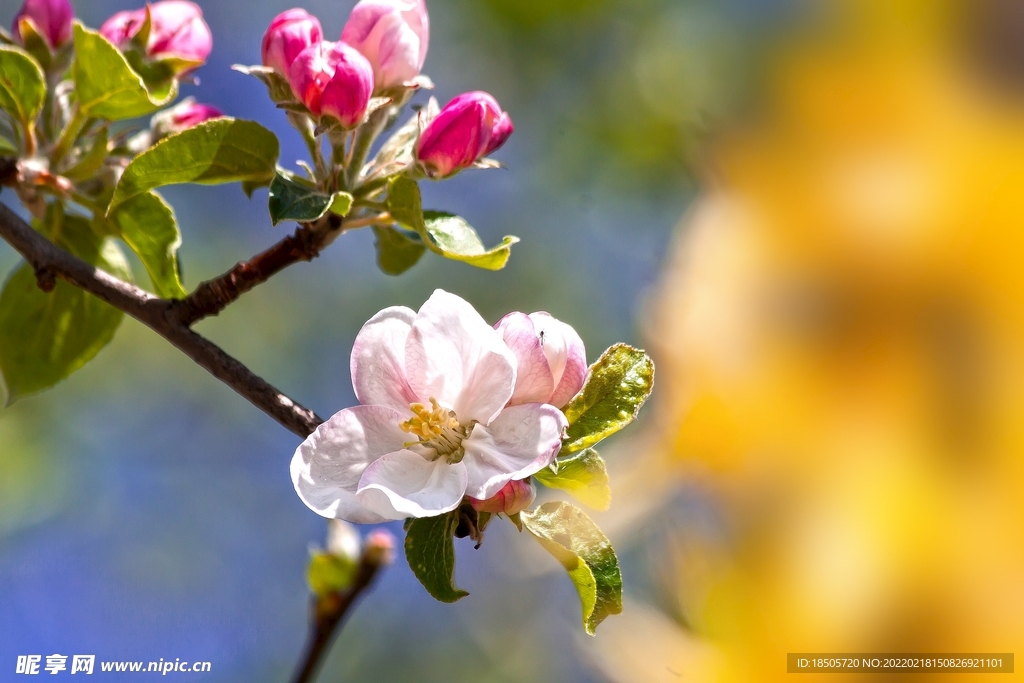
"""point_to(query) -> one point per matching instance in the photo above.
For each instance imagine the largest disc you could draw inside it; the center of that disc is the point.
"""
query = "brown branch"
(49, 260)
(213, 296)
(328, 612)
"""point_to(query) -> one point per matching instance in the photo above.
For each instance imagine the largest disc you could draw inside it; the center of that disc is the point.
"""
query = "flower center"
(438, 429)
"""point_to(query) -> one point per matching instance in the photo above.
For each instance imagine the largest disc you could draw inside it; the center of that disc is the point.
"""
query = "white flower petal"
(521, 441)
(534, 382)
(409, 485)
(327, 466)
(453, 355)
(378, 360)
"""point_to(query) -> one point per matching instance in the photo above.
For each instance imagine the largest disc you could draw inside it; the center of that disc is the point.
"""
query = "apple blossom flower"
(291, 32)
(468, 128)
(552, 361)
(515, 496)
(182, 116)
(53, 20)
(434, 423)
(393, 35)
(177, 30)
(333, 79)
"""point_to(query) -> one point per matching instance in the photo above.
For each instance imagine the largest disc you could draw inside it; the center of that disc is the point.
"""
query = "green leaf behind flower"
(444, 233)
(222, 150)
(430, 550)
(585, 552)
(582, 474)
(44, 337)
(107, 87)
(617, 386)
(22, 84)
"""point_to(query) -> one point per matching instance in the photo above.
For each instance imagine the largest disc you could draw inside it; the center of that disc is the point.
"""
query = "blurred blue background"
(146, 511)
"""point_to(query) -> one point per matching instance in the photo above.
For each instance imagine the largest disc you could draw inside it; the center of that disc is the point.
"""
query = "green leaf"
(222, 150)
(575, 541)
(292, 198)
(444, 233)
(617, 386)
(22, 84)
(458, 241)
(431, 554)
(7, 148)
(397, 251)
(329, 573)
(106, 85)
(34, 42)
(147, 224)
(44, 337)
(583, 475)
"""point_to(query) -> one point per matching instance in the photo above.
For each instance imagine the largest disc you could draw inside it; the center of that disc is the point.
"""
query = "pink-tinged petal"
(52, 18)
(328, 465)
(408, 485)
(179, 31)
(378, 360)
(521, 441)
(515, 496)
(566, 354)
(534, 383)
(120, 28)
(454, 356)
(291, 32)
(393, 35)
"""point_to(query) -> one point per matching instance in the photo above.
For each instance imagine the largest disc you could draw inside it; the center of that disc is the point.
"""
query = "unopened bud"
(469, 128)
(52, 19)
(514, 497)
(291, 32)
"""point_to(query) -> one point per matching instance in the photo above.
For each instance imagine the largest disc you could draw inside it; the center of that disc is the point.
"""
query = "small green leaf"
(44, 337)
(458, 241)
(444, 233)
(147, 224)
(617, 386)
(397, 251)
(106, 85)
(341, 203)
(292, 198)
(431, 554)
(22, 84)
(583, 475)
(222, 150)
(34, 42)
(7, 147)
(329, 573)
(575, 541)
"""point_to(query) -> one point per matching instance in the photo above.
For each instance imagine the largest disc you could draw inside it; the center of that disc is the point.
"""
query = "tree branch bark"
(213, 296)
(49, 261)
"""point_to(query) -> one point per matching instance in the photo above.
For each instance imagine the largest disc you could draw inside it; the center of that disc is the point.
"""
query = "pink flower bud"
(178, 30)
(52, 19)
(291, 32)
(182, 116)
(514, 497)
(393, 35)
(332, 79)
(552, 359)
(379, 547)
(469, 128)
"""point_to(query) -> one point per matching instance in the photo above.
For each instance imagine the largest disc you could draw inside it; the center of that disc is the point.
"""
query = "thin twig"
(49, 260)
(327, 613)
(213, 296)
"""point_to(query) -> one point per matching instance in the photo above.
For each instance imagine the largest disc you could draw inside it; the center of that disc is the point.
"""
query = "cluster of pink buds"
(177, 31)
(381, 52)
(52, 19)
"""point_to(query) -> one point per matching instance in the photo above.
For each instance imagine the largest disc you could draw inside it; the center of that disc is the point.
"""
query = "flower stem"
(328, 612)
(68, 137)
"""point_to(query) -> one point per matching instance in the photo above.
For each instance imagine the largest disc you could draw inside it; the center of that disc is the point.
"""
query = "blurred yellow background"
(839, 334)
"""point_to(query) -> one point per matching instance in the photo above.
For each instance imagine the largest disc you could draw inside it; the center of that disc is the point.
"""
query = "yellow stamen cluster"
(437, 427)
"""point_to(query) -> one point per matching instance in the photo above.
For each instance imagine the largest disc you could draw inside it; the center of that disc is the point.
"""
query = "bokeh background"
(834, 456)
